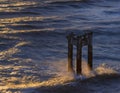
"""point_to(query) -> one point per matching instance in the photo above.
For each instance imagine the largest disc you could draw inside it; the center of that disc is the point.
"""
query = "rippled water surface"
(33, 44)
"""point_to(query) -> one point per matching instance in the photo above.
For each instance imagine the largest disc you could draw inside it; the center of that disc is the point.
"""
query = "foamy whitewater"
(33, 46)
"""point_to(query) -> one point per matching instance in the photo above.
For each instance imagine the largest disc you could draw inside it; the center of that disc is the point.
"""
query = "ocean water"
(33, 45)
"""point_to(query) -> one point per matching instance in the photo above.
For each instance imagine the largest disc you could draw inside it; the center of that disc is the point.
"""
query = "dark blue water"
(33, 37)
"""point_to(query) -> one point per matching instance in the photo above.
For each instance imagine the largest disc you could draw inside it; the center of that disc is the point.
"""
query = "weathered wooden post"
(70, 52)
(79, 42)
(90, 54)
(79, 55)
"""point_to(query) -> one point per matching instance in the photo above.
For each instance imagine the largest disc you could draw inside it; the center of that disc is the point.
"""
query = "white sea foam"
(62, 76)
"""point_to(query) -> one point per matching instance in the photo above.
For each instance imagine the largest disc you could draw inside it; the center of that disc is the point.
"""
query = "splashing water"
(33, 32)
(62, 76)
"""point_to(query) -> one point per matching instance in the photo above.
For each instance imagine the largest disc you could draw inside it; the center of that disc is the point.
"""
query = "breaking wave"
(61, 77)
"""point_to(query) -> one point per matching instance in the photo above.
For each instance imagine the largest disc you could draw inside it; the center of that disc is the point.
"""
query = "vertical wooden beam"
(70, 52)
(83, 40)
(90, 53)
(79, 56)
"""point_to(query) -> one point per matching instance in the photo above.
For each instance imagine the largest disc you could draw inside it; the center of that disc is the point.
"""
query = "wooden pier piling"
(79, 42)
(79, 55)
(70, 52)
(90, 53)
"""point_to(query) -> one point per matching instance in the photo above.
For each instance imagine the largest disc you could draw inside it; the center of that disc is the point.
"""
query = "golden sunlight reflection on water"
(15, 5)
(62, 76)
